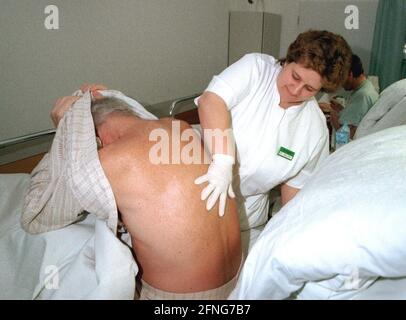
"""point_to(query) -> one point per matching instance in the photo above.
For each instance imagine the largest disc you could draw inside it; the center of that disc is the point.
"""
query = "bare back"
(179, 246)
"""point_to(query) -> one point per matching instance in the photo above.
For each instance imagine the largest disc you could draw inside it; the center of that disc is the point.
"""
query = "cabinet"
(253, 32)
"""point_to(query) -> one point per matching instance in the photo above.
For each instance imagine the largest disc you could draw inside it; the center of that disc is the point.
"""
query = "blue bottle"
(342, 136)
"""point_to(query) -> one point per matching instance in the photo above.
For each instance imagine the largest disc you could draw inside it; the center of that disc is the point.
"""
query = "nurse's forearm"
(287, 193)
(213, 114)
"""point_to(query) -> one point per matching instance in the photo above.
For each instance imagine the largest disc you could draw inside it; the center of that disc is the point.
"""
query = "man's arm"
(333, 108)
(287, 193)
(352, 131)
(61, 106)
(325, 107)
(334, 119)
(335, 105)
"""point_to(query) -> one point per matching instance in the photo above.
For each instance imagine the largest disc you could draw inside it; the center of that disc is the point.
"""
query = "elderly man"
(183, 252)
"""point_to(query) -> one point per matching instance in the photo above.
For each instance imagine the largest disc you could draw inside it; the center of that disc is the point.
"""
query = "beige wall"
(288, 9)
(301, 15)
(154, 50)
(333, 16)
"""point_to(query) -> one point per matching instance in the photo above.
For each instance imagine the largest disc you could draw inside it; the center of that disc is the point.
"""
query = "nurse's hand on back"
(219, 176)
(218, 137)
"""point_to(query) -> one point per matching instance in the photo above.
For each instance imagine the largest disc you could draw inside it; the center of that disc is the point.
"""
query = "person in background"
(362, 97)
(280, 133)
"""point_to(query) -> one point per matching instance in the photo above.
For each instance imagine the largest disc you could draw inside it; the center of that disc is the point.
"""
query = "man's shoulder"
(136, 148)
(365, 97)
(368, 90)
(113, 155)
(373, 94)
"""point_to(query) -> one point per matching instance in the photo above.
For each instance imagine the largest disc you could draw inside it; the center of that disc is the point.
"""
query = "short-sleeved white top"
(261, 127)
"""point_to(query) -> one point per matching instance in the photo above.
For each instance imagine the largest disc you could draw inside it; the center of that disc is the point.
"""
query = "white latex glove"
(219, 176)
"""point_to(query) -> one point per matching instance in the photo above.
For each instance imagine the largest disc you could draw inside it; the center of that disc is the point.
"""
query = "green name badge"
(286, 153)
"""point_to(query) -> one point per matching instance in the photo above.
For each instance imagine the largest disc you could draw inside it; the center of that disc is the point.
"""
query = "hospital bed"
(343, 235)
(45, 269)
(82, 261)
(71, 263)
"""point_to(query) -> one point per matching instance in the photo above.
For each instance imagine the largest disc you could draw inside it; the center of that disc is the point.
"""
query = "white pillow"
(342, 231)
(387, 112)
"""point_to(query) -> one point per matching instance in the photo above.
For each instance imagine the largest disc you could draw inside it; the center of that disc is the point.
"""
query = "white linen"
(69, 179)
(261, 127)
(91, 262)
(384, 289)
(341, 232)
(389, 111)
(249, 237)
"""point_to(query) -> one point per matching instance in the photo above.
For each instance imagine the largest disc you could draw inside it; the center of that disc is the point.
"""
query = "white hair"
(102, 108)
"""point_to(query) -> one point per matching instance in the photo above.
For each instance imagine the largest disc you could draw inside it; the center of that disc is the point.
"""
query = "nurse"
(268, 109)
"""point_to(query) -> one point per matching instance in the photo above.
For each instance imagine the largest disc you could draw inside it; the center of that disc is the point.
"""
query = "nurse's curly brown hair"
(324, 52)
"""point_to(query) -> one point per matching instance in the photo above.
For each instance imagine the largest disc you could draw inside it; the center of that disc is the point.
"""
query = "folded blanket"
(69, 181)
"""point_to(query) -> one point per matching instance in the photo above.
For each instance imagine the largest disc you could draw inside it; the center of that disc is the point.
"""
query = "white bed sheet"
(81, 261)
(335, 238)
(384, 289)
